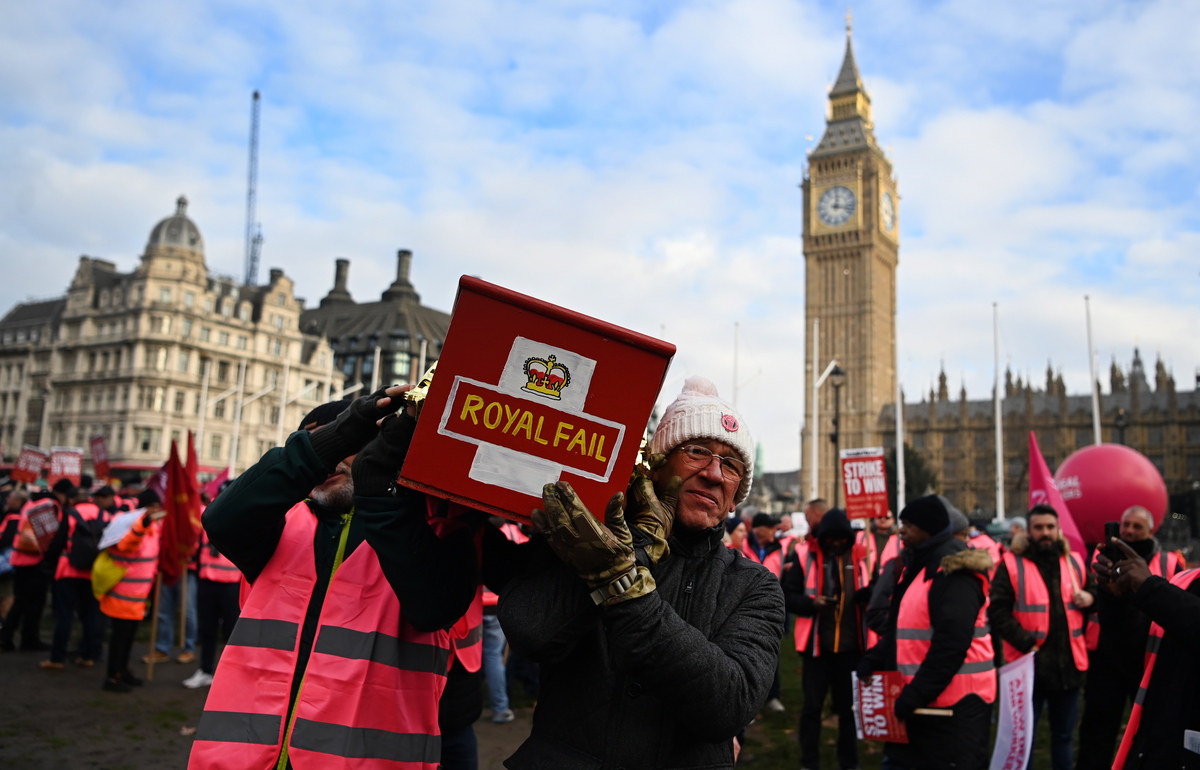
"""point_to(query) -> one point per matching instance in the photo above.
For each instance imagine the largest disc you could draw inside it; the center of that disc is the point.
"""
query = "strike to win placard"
(875, 707)
(864, 482)
(528, 393)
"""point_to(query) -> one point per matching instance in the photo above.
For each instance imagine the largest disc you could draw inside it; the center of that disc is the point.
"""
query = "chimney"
(276, 274)
(401, 289)
(339, 295)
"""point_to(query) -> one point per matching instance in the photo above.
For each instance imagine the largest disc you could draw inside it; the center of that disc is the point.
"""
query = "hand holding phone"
(1112, 529)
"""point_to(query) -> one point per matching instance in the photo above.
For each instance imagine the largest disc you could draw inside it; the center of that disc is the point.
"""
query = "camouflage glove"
(353, 428)
(601, 553)
(651, 512)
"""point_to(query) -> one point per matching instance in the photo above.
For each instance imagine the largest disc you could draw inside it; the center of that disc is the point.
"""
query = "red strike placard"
(528, 393)
(864, 482)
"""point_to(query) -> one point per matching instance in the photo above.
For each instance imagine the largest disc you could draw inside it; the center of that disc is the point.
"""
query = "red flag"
(193, 465)
(1043, 491)
(181, 526)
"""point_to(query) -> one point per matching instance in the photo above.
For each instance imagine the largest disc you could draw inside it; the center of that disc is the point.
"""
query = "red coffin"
(527, 393)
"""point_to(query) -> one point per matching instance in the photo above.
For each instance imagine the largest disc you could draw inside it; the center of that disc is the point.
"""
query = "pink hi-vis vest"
(1165, 564)
(369, 696)
(214, 565)
(814, 585)
(87, 512)
(914, 635)
(1182, 580)
(1032, 606)
(875, 558)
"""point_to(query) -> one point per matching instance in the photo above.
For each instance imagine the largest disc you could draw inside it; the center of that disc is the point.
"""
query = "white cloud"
(637, 163)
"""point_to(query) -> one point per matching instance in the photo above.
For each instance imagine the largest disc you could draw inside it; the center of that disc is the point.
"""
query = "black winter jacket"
(662, 681)
(1172, 702)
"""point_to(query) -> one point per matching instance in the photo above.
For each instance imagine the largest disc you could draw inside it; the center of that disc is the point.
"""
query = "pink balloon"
(1100, 482)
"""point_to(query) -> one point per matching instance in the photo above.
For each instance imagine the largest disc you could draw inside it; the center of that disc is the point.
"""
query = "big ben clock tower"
(851, 249)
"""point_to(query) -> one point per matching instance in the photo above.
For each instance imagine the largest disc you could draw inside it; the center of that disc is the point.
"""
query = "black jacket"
(1172, 702)
(955, 598)
(839, 625)
(662, 681)
(1054, 666)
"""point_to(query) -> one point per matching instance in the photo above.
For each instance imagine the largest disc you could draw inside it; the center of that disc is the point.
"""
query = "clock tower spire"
(851, 231)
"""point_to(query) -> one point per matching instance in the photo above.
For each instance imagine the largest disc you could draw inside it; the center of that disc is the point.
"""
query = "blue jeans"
(167, 620)
(493, 663)
(1064, 712)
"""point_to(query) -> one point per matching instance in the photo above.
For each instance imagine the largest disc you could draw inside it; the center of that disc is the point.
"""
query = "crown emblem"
(547, 377)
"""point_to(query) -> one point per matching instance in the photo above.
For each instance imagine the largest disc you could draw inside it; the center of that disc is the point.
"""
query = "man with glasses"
(657, 643)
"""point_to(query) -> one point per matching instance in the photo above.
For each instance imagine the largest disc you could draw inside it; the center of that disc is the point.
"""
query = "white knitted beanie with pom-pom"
(700, 413)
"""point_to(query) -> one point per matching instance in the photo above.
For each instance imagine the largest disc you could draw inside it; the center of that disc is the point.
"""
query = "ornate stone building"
(851, 250)
(142, 357)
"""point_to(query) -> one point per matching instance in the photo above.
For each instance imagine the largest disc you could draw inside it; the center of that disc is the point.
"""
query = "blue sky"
(637, 161)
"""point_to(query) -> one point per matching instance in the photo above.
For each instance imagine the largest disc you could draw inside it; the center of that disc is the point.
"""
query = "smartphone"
(1112, 529)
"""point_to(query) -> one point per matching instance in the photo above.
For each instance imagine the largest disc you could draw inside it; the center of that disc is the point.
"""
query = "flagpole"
(814, 426)
(183, 607)
(998, 416)
(203, 404)
(154, 627)
(237, 419)
(1095, 388)
(283, 402)
(900, 478)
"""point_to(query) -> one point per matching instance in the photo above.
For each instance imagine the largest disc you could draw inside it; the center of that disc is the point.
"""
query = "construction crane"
(253, 228)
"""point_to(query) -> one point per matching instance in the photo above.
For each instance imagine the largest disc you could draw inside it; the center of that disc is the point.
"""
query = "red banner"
(875, 708)
(181, 525)
(99, 447)
(29, 465)
(864, 482)
(66, 462)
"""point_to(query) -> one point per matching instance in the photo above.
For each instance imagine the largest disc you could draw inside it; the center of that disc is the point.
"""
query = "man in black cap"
(351, 593)
(936, 637)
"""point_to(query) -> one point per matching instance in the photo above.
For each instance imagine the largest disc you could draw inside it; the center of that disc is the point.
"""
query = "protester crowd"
(343, 620)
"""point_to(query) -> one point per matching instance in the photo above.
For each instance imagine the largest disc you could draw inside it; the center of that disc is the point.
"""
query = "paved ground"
(52, 720)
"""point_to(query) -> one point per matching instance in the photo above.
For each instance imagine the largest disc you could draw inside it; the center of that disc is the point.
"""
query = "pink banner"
(99, 449)
(1015, 725)
(875, 707)
(66, 462)
(1043, 491)
(29, 465)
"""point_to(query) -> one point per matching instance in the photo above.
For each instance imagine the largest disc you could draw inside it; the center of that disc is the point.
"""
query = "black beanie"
(324, 414)
(929, 513)
(762, 520)
(147, 498)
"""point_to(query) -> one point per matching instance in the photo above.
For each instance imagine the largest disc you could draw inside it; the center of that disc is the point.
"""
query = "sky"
(638, 162)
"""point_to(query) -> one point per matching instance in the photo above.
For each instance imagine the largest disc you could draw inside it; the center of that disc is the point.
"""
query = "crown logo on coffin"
(547, 377)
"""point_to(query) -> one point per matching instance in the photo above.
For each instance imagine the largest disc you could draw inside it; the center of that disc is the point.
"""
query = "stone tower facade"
(851, 249)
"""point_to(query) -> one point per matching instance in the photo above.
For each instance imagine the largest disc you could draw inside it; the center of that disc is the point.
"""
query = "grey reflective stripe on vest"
(1153, 643)
(978, 667)
(1021, 606)
(383, 649)
(1077, 631)
(238, 727)
(927, 633)
(126, 597)
(221, 567)
(365, 743)
(131, 559)
(1140, 697)
(474, 636)
(271, 634)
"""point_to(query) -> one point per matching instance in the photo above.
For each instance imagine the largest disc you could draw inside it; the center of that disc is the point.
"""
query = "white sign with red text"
(1015, 725)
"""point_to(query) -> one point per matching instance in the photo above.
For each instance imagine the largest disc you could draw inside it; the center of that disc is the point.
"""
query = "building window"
(222, 338)
(214, 446)
(278, 321)
(85, 400)
(219, 409)
(185, 360)
(208, 305)
(281, 299)
(164, 295)
(180, 398)
(205, 333)
(1193, 435)
(227, 308)
(348, 364)
(1154, 435)
(176, 436)
(1159, 463)
(244, 311)
(147, 439)
(276, 348)
(949, 441)
(273, 416)
(1083, 437)
(918, 440)
(189, 298)
(1047, 439)
(242, 342)
(186, 328)
(156, 358)
(222, 370)
(1193, 467)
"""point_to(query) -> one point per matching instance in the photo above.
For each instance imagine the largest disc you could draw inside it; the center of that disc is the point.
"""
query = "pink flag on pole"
(1043, 491)
(214, 486)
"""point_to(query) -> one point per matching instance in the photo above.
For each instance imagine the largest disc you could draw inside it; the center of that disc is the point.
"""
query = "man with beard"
(936, 637)
(827, 592)
(1116, 636)
(340, 655)
(1037, 602)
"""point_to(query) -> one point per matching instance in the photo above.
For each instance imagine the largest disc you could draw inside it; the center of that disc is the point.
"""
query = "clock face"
(836, 206)
(888, 211)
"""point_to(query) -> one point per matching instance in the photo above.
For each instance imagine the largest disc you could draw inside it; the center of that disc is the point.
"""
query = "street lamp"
(1121, 422)
(837, 378)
